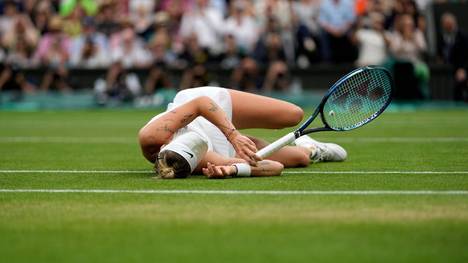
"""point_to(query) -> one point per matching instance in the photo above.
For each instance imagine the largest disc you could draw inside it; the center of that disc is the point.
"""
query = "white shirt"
(217, 142)
(245, 33)
(136, 56)
(206, 24)
(406, 49)
(372, 50)
(308, 14)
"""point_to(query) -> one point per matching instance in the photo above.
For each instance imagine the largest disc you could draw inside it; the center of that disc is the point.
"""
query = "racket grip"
(276, 145)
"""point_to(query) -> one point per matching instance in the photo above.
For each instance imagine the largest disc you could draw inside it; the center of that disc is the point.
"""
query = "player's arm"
(160, 131)
(263, 168)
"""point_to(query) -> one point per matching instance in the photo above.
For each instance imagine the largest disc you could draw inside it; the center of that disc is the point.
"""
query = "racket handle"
(276, 145)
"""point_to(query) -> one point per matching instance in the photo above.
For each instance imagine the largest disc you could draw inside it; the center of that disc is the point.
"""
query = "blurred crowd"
(258, 41)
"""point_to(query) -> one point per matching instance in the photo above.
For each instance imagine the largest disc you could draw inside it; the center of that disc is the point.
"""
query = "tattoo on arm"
(165, 128)
(213, 107)
(228, 129)
(186, 118)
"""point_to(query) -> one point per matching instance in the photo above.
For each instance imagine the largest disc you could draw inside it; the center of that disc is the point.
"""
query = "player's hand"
(244, 147)
(218, 171)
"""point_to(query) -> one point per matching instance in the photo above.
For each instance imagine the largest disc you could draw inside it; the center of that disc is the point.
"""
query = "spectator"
(90, 49)
(40, 16)
(54, 46)
(72, 22)
(407, 45)
(279, 10)
(176, 8)
(14, 82)
(7, 20)
(21, 40)
(453, 49)
(170, 20)
(158, 76)
(193, 53)
(277, 78)
(158, 79)
(306, 13)
(206, 23)
(246, 76)
(231, 56)
(195, 58)
(120, 86)
(277, 15)
(19, 55)
(269, 49)
(160, 48)
(56, 79)
(53, 52)
(405, 7)
(242, 26)
(128, 48)
(106, 20)
(142, 16)
(28, 7)
(196, 76)
(407, 42)
(336, 19)
(373, 42)
(270, 52)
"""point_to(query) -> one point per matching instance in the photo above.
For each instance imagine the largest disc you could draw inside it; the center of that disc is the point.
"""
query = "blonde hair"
(170, 165)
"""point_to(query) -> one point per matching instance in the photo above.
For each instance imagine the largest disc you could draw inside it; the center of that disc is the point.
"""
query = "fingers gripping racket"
(356, 99)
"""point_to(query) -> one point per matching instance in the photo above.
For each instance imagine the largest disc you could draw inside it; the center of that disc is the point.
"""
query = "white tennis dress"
(217, 142)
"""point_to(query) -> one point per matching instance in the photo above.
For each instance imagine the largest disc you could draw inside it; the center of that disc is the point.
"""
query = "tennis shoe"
(322, 152)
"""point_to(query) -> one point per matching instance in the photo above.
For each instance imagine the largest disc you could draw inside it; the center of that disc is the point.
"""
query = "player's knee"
(295, 116)
(301, 160)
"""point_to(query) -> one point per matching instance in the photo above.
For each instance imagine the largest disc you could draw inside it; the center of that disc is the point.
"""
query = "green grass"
(129, 227)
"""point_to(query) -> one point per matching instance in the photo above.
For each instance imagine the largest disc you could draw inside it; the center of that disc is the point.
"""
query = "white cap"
(191, 145)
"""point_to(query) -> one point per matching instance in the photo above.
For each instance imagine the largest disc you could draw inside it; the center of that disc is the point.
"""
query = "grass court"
(75, 188)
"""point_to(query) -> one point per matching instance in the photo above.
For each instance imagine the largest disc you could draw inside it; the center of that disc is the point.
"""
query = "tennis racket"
(353, 101)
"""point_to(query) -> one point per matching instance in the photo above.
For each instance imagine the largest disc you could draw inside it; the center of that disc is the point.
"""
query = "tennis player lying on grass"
(199, 134)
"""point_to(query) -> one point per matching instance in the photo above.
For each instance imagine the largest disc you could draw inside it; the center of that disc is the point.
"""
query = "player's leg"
(255, 111)
(306, 150)
(289, 156)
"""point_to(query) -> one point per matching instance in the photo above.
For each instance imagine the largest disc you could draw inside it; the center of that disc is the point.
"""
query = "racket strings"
(357, 100)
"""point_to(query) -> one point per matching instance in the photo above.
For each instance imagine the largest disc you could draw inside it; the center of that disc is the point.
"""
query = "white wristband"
(243, 169)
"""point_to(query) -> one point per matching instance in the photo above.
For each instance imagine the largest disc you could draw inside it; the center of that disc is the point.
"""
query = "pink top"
(46, 42)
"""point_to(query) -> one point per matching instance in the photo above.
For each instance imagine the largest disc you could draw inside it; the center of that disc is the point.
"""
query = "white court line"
(243, 192)
(401, 139)
(12, 171)
(77, 171)
(375, 172)
(131, 140)
(34, 139)
(391, 139)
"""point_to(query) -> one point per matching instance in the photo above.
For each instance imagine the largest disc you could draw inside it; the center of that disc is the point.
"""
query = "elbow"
(146, 138)
(276, 168)
(279, 169)
(200, 102)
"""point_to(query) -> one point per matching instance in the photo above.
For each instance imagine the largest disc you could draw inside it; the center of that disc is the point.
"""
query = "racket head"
(357, 98)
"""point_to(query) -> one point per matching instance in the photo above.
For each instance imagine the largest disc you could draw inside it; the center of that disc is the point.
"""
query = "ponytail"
(170, 165)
